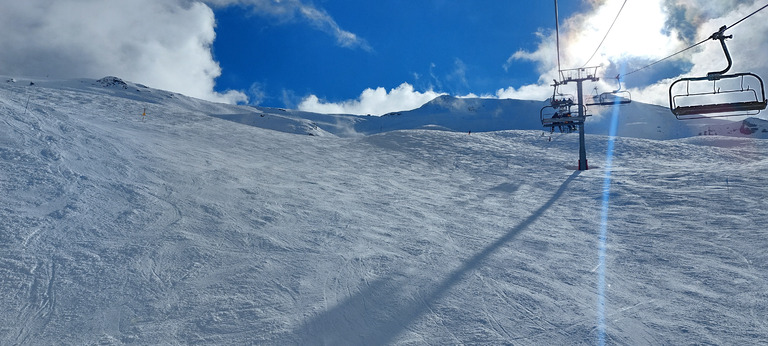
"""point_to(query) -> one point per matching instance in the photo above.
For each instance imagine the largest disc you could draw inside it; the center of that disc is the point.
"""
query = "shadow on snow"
(382, 310)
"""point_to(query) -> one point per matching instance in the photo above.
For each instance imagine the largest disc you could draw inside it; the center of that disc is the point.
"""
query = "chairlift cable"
(750, 15)
(606, 34)
(694, 45)
(557, 31)
(668, 57)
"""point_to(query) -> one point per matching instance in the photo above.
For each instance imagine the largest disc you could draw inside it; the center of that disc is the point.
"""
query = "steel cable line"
(557, 31)
(606, 34)
(696, 44)
(663, 59)
(750, 15)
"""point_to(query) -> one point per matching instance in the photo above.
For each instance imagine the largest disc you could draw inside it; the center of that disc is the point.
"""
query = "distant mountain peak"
(755, 126)
(456, 104)
(111, 81)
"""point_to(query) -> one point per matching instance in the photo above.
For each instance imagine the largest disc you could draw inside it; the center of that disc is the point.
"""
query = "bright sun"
(638, 32)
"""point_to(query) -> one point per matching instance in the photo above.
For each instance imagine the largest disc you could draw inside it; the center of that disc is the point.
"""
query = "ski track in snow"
(188, 227)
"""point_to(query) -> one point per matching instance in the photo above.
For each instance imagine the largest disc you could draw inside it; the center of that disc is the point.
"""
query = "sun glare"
(638, 32)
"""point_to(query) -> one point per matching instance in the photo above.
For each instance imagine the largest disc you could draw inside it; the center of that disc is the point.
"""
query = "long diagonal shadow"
(381, 311)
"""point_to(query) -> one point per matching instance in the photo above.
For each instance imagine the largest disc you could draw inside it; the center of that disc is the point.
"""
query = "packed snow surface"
(217, 224)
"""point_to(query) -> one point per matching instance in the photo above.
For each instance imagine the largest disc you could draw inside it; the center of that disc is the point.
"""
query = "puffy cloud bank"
(164, 44)
(377, 101)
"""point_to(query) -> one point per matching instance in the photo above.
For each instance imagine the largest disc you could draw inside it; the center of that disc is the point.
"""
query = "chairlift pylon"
(730, 94)
(561, 116)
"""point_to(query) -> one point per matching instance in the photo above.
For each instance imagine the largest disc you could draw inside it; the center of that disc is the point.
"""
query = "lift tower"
(579, 76)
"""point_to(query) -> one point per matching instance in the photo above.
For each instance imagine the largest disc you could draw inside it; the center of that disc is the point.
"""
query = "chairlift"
(559, 99)
(610, 98)
(560, 118)
(717, 93)
(558, 113)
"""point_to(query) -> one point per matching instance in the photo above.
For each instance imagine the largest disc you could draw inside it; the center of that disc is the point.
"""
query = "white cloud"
(256, 93)
(459, 74)
(545, 55)
(526, 92)
(297, 10)
(372, 101)
(161, 43)
(637, 34)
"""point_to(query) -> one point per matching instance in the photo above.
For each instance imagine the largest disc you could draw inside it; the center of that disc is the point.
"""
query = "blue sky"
(492, 48)
(373, 57)
(456, 47)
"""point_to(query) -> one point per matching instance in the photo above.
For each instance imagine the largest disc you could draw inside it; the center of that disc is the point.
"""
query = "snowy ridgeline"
(181, 227)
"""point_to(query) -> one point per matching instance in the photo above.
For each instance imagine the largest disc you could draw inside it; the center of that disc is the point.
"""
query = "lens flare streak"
(603, 237)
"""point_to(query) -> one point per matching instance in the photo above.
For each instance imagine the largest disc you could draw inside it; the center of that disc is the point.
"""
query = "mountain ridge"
(444, 112)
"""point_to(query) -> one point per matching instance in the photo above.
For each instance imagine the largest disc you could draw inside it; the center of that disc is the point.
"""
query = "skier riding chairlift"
(569, 126)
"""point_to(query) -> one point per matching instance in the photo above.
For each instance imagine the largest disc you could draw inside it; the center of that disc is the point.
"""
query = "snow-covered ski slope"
(184, 227)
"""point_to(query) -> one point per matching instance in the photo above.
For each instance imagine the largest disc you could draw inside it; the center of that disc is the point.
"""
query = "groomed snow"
(189, 226)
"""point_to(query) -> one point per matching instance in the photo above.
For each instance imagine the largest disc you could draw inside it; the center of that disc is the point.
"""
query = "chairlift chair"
(559, 99)
(561, 117)
(558, 113)
(610, 98)
(730, 94)
(552, 117)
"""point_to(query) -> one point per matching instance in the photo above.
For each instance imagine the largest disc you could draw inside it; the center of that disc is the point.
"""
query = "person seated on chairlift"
(567, 115)
(570, 124)
(555, 116)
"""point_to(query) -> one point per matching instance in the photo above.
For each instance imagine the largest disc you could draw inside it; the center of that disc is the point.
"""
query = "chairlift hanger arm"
(618, 80)
(720, 35)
